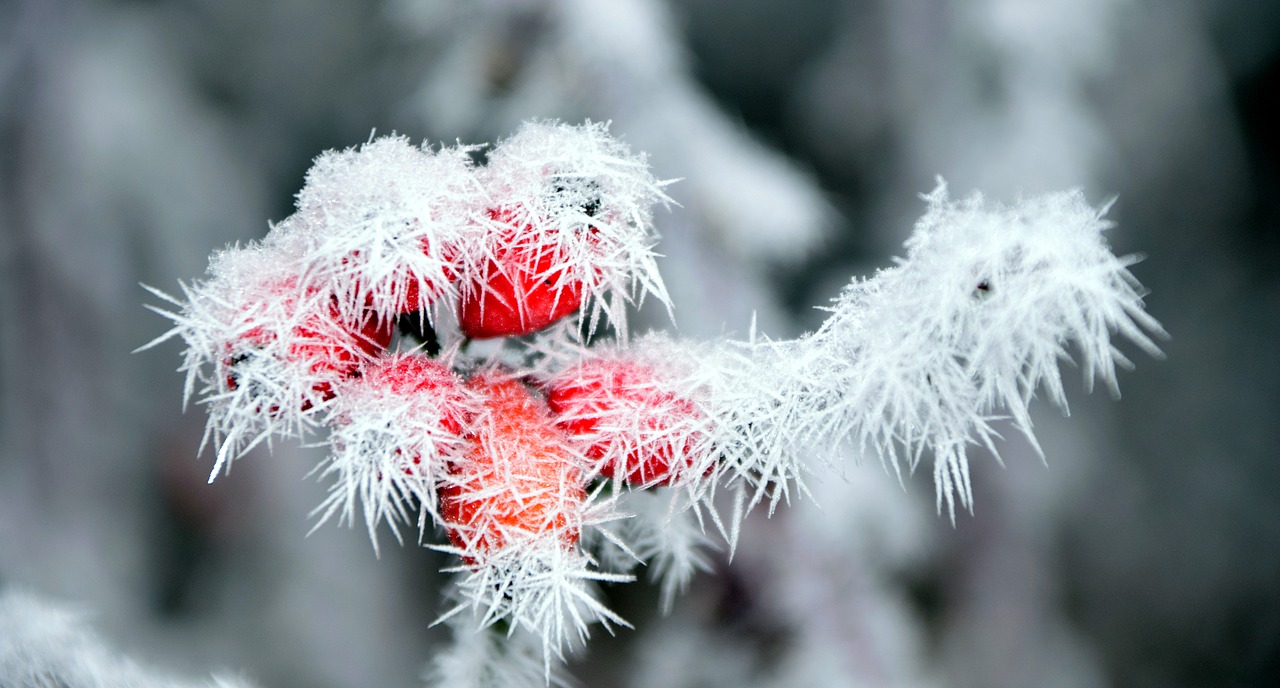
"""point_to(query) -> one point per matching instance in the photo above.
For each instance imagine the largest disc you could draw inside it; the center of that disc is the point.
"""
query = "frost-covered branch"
(558, 464)
(969, 326)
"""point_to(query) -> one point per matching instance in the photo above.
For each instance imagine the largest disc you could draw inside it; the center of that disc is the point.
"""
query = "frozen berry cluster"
(358, 316)
(430, 315)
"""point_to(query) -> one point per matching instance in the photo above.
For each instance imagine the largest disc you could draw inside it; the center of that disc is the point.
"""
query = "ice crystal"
(539, 587)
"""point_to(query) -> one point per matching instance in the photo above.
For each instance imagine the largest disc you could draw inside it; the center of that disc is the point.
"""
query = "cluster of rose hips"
(309, 329)
(529, 454)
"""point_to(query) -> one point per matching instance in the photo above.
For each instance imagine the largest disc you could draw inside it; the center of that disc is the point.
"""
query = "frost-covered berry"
(427, 387)
(394, 428)
(519, 479)
(634, 427)
(515, 506)
(264, 351)
(386, 226)
(318, 339)
(525, 285)
(574, 204)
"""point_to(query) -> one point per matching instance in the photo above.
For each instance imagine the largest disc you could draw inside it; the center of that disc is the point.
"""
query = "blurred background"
(137, 136)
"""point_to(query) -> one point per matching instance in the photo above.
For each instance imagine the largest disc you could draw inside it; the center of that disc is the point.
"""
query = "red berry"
(526, 285)
(633, 429)
(421, 381)
(319, 343)
(405, 412)
(518, 480)
(334, 345)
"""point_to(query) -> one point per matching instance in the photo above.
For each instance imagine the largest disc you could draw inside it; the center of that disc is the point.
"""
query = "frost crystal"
(539, 587)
